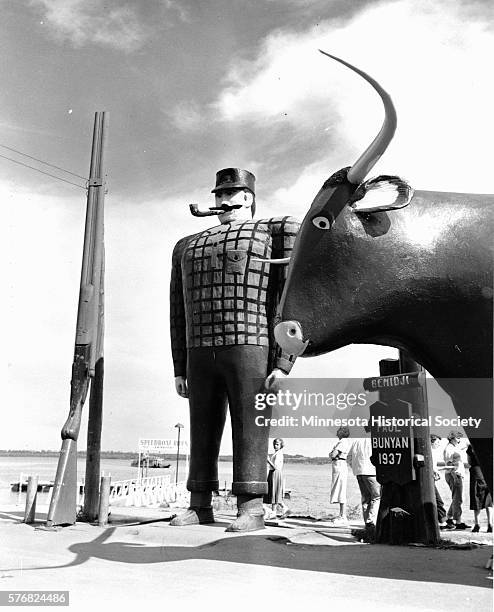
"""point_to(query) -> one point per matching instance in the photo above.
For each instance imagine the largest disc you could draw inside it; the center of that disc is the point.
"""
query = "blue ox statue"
(376, 262)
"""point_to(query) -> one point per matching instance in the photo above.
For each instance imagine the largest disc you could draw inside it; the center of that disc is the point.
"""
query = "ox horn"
(194, 209)
(378, 146)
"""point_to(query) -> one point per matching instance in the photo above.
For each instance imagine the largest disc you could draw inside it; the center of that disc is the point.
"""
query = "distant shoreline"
(133, 455)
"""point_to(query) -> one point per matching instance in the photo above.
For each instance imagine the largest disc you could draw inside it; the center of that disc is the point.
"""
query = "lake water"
(310, 484)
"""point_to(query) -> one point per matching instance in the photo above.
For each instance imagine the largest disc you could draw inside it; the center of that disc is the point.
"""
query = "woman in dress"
(479, 492)
(339, 471)
(275, 478)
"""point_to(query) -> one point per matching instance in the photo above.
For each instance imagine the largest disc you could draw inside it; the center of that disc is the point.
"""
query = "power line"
(43, 172)
(41, 162)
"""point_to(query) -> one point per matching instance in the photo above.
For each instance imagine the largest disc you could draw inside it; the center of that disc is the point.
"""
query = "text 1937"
(389, 458)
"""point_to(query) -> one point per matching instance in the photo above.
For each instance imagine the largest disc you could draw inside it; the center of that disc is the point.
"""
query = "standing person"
(275, 478)
(454, 477)
(479, 492)
(436, 456)
(224, 292)
(339, 473)
(370, 490)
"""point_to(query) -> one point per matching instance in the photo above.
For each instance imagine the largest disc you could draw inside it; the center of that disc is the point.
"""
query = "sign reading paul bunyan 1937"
(392, 441)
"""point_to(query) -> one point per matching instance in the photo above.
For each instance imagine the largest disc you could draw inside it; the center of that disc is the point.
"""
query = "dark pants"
(217, 378)
(441, 510)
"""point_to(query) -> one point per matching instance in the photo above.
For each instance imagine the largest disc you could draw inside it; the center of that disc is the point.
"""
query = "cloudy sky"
(192, 87)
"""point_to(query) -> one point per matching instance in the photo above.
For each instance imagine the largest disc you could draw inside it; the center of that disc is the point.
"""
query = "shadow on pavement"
(380, 561)
(18, 515)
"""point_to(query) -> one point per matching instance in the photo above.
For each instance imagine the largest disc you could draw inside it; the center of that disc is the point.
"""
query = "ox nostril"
(289, 336)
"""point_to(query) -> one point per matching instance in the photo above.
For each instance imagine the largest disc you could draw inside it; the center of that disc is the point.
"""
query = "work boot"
(250, 514)
(199, 512)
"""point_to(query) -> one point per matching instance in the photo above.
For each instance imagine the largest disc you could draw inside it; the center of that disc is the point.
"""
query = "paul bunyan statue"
(224, 289)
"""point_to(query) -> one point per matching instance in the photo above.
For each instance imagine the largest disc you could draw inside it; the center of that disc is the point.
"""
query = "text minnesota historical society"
(380, 422)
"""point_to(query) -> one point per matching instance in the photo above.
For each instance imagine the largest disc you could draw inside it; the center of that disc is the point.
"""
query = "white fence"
(150, 491)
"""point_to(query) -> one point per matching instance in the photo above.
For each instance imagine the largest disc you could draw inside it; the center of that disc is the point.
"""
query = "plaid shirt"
(221, 295)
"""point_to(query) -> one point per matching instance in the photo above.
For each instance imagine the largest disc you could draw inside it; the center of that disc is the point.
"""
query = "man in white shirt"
(454, 477)
(370, 490)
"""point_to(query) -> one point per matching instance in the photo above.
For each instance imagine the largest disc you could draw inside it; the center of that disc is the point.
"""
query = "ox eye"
(321, 223)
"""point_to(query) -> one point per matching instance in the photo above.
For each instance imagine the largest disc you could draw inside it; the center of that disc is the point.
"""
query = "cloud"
(187, 116)
(181, 11)
(276, 85)
(84, 22)
(432, 60)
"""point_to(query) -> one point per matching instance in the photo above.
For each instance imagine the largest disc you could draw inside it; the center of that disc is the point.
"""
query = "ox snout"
(288, 335)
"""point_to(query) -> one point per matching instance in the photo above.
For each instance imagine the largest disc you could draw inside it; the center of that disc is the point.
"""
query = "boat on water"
(151, 462)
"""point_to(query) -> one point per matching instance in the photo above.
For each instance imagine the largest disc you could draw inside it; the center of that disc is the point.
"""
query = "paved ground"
(140, 562)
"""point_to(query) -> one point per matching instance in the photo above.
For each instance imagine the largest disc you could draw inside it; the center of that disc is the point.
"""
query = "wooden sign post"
(402, 454)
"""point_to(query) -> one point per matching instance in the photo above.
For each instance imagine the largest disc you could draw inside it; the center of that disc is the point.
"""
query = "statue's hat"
(234, 178)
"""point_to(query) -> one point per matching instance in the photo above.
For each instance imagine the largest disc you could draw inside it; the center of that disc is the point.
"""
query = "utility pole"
(97, 183)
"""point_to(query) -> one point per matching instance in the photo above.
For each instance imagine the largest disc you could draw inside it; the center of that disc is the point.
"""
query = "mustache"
(226, 207)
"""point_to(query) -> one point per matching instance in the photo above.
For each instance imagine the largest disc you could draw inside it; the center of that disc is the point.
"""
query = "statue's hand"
(271, 382)
(181, 386)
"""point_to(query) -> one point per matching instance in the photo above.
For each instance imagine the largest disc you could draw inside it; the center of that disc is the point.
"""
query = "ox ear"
(381, 193)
